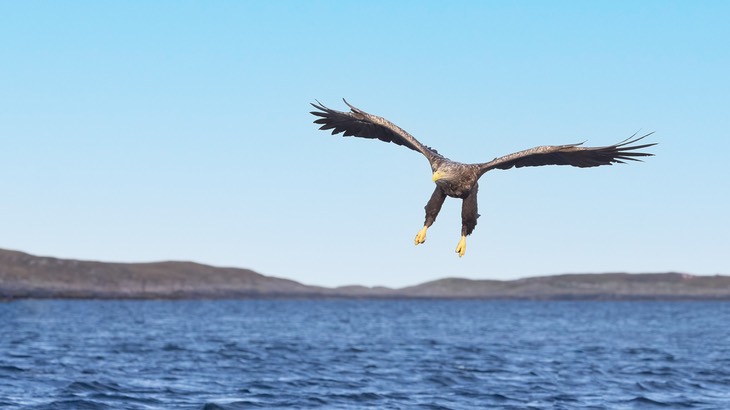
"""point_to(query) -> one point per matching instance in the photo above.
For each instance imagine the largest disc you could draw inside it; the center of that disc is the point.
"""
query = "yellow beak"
(436, 176)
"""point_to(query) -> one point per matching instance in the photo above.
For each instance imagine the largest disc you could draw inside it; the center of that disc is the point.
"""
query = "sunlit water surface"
(353, 354)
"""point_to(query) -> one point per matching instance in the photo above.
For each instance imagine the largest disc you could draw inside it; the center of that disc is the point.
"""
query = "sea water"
(353, 354)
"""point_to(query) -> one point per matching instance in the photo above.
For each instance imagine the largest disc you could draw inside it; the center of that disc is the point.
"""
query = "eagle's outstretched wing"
(571, 154)
(358, 123)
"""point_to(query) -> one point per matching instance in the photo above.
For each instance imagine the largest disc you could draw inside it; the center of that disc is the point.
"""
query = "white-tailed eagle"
(459, 180)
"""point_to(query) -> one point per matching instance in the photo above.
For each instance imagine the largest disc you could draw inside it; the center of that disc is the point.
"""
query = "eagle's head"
(445, 174)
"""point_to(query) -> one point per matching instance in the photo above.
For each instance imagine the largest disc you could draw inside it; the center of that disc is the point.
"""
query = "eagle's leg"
(469, 217)
(432, 210)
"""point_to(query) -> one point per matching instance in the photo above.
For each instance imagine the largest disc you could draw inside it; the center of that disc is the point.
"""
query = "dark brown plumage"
(459, 180)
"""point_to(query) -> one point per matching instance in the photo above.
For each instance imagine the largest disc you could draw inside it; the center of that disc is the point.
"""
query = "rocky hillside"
(607, 286)
(23, 275)
(27, 276)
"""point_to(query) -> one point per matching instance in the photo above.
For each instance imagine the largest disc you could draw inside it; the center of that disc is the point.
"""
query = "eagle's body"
(458, 180)
(460, 187)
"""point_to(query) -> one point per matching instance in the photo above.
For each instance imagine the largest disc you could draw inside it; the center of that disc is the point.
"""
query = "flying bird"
(458, 180)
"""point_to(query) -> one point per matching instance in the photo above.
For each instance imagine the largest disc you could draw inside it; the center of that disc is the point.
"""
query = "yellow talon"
(461, 247)
(421, 236)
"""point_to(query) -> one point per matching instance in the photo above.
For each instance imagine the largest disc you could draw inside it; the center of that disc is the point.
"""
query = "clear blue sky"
(148, 131)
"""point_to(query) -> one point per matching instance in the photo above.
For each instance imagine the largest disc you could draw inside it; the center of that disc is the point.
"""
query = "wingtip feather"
(352, 107)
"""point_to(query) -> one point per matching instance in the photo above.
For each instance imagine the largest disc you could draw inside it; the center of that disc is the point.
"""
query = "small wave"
(434, 406)
(234, 405)
(172, 347)
(659, 385)
(357, 397)
(645, 402)
(499, 397)
(124, 399)
(11, 369)
(76, 404)
(441, 380)
(92, 387)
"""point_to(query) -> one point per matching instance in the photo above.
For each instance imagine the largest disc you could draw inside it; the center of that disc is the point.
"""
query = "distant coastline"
(25, 276)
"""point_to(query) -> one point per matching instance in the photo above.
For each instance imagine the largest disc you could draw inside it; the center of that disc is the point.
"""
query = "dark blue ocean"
(353, 354)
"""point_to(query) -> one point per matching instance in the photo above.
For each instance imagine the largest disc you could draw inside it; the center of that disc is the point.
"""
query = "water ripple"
(363, 354)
